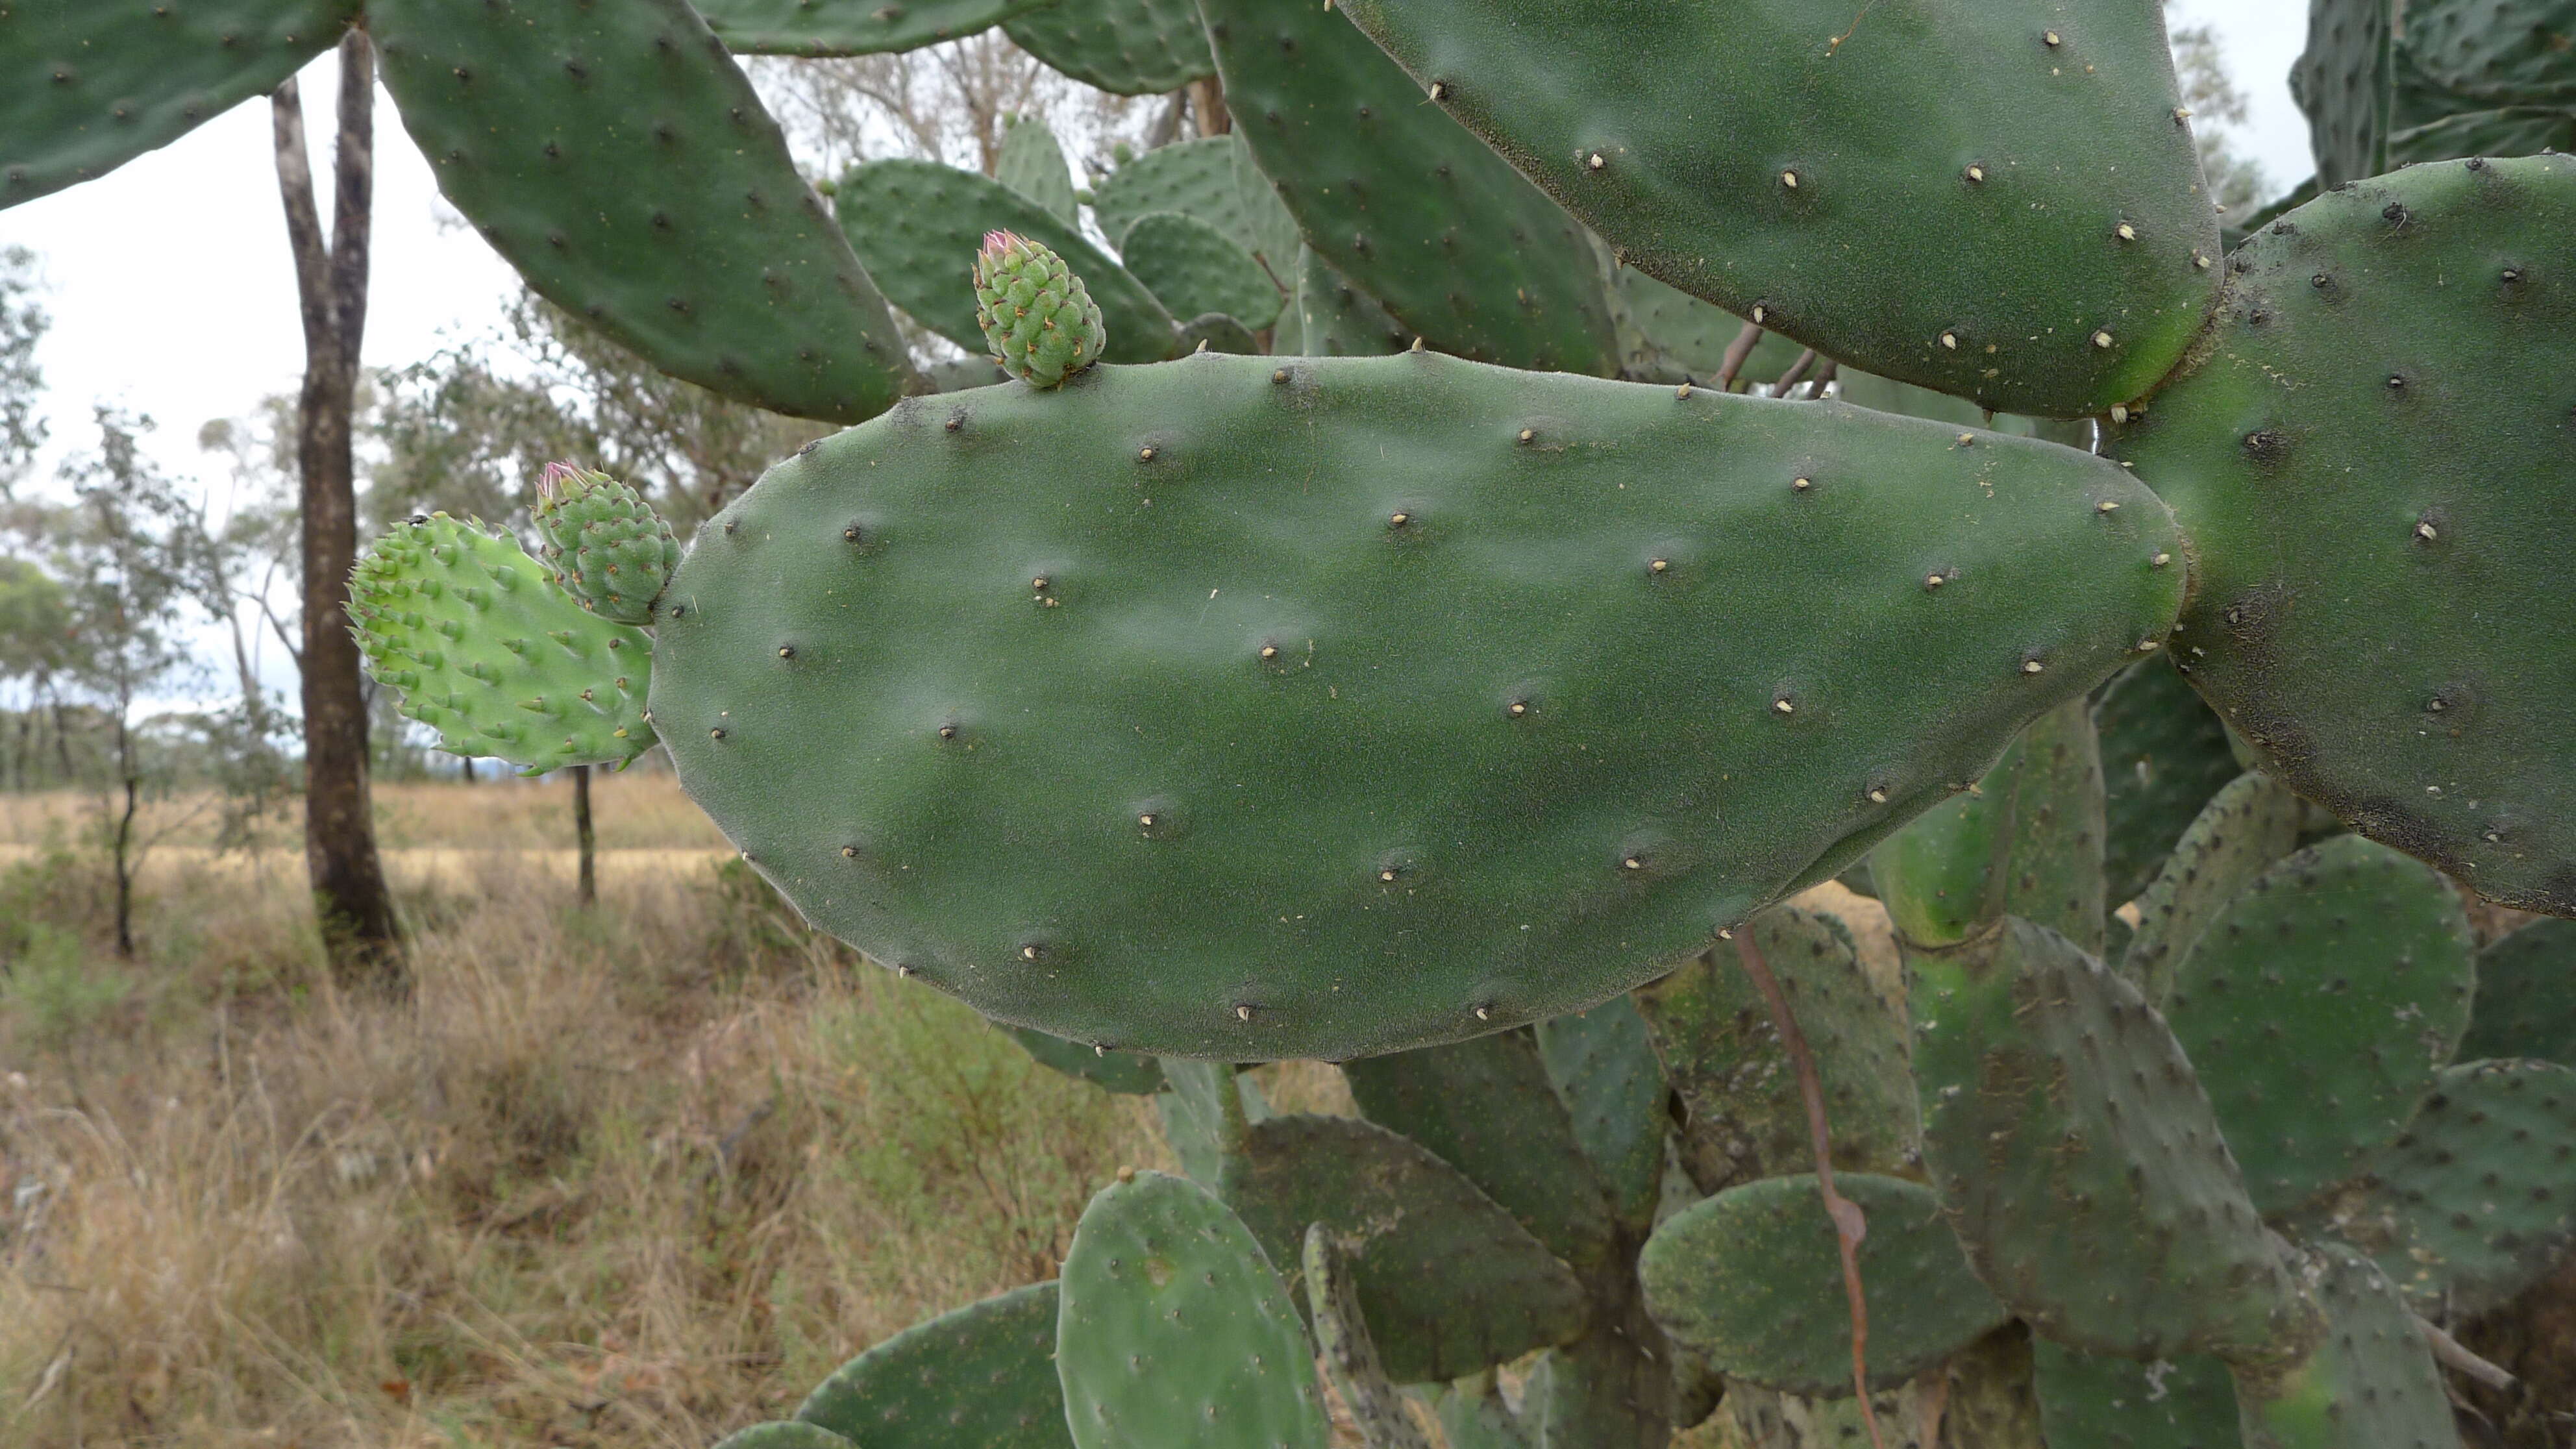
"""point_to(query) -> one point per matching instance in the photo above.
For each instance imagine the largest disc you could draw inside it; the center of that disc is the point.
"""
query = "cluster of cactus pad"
(1365, 618)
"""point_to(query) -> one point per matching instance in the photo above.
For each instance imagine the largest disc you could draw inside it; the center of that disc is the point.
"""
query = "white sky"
(172, 294)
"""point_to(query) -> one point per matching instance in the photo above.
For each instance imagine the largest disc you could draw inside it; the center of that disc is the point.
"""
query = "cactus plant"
(1371, 701)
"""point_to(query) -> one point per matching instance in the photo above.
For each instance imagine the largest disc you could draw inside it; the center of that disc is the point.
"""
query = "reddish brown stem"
(1850, 1224)
(1797, 370)
(1736, 351)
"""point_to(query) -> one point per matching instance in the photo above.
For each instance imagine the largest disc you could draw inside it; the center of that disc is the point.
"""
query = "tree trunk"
(582, 833)
(348, 879)
(131, 778)
(1207, 107)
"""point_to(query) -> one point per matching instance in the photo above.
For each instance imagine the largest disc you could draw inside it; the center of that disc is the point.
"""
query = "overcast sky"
(172, 294)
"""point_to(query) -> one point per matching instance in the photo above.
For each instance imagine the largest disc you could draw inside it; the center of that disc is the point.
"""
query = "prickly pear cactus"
(490, 653)
(1036, 315)
(609, 549)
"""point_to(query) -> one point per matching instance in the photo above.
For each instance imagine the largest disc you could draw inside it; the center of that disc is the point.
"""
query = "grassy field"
(637, 1175)
(633, 1176)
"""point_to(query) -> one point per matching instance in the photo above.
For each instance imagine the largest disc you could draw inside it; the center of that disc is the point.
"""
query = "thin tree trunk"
(582, 833)
(131, 778)
(1207, 107)
(347, 876)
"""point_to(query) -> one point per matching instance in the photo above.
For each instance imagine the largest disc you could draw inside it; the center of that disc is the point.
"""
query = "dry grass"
(636, 1176)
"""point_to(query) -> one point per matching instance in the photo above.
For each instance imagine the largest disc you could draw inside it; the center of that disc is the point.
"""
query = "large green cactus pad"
(1869, 184)
(1449, 1283)
(614, 154)
(1125, 47)
(2371, 1383)
(1212, 178)
(488, 652)
(2526, 1001)
(2483, 1185)
(1744, 1117)
(1196, 268)
(2316, 1009)
(1395, 196)
(1256, 707)
(850, 27)
(2096, 1401)
(1173, 1329)
(2079, 1160)
(93, 85)
(982, 1377)
(1488, 1108)
(2164, 755)
(2372, 462)
(1753, 1279)
(919, 224)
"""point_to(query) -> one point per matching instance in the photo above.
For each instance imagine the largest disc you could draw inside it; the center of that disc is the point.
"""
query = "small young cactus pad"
(1173, 1329)
(1036, 315)
(487, 651)
(608, 548)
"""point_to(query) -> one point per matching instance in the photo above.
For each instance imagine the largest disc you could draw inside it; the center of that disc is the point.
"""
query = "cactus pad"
(2164, 756)
(982, 710)
(786, 1434)
(1744, 1118)
(1204, 1114)
(682, 229)
(1603, 1064)
(2483, 1184)
(2372, 464)
(1336, 319)
(1032, 164)
(982, 1377)
(2026, 840)
(606, 545)
(1127, 1073)
(95, 85)
(1487, 1108)
(1668, 335)
(1342, 1336)
(2317, 1008)
(803, 28)
(1205, 178)
(1395, 196)
(1448, 1282)
(921, 226)
(1752, 1279)
(2237, 836)
(488, 652)
(2079, 1160)
(2526, 1001)
(2096, 1401)
(2345, 81)
(1172, 1328)
(1124, 47)
(1195, 268)
(1038, 320)
(2371, 1382)
(1877, 188)
(2503, 52)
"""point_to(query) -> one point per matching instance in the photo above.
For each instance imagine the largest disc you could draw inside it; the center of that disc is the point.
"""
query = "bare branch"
(1850, 1224)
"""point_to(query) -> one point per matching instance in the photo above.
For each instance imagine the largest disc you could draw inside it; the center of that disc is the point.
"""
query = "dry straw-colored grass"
(632, 1176)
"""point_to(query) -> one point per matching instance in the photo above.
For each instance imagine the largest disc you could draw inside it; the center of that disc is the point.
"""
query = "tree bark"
(588, 842)
(130, 776)
(347, 877)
